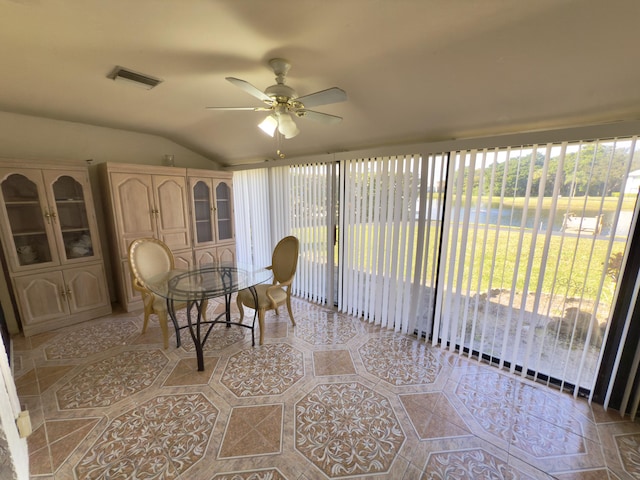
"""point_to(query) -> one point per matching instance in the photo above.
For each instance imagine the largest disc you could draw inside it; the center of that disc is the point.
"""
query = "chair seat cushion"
(278, 294)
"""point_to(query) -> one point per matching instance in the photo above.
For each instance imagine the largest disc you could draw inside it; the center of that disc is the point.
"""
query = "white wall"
(14, 455)
(22, 136)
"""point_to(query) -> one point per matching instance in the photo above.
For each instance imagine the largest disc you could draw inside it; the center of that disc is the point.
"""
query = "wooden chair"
(149, 257)
(284, 262)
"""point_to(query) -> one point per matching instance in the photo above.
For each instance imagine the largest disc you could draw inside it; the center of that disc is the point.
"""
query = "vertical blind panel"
(252, 217)
(242, 221)
(309, 220)
(280, 202)
(430, 218)
(379, 211)
(632, 184)
(530, 250)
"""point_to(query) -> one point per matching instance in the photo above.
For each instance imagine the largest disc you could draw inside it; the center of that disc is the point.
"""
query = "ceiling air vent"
(134, 78)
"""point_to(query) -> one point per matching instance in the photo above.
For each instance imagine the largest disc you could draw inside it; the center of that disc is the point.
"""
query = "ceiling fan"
(284, 103)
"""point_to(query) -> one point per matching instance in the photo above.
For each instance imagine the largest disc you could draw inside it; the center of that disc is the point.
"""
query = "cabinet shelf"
(30, 233)
(22, 203)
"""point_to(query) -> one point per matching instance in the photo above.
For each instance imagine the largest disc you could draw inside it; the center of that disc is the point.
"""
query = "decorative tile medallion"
(629, 448)
(471, 464)
(347, 429)
(108, 381)
(400, 360)
(263, 370)
(540, 426)
(270, 474)
(159, 439)
(322, 327)
(90, 340)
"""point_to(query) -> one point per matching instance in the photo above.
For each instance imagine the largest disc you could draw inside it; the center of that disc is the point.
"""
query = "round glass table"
(194, 287)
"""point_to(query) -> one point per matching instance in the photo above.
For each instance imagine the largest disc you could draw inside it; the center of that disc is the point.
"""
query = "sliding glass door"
(532, 249)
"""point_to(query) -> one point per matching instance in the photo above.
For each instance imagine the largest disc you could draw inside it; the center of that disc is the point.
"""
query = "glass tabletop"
(207, 281)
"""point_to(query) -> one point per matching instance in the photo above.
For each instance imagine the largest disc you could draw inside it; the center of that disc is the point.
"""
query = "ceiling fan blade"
(250, 89)
(323, 97)
(318, 116)
(254, 109)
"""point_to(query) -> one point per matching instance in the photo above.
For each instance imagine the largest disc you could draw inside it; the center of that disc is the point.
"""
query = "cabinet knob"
(51, 217)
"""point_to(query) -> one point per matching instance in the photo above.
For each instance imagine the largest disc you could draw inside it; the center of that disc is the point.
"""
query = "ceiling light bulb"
(286, 126)
(268, 125)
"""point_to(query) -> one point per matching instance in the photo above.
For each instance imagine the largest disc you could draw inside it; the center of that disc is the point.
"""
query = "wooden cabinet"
(148, 205)
(211, 216)
(49, 295)
(51, 244)
(189, 210)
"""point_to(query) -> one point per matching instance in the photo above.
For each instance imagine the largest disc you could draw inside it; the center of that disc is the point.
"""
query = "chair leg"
(146, 322)
(147, 313)
(261, 324)
(293, 322)
(240, 307)
(162, 318)
(205, 305)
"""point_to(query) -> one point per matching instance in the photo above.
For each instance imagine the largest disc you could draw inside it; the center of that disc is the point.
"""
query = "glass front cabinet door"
(212, 211)
(203, 213)
(46, 220)
(224, 211)
(212, 217)
(74, 227)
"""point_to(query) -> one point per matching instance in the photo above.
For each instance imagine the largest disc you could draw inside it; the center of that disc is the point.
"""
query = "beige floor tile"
(333, 362)
(186, 373)
(253, 431)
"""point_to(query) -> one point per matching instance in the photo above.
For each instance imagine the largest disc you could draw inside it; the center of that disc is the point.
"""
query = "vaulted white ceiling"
(413, 70)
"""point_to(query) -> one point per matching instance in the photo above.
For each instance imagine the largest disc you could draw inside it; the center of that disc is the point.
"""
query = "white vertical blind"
(281, 200)
(271, 203)
(253, 217)
(524, 273)
(299, 206)
(430, 218)
(380, 229)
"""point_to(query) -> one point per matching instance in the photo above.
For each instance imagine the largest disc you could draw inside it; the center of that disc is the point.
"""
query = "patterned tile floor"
(333, 397)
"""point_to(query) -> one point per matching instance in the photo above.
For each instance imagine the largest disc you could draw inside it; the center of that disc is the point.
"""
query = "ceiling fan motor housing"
(281, 93)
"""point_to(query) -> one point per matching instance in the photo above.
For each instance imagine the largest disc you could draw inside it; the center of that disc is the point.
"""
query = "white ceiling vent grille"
(134, 78)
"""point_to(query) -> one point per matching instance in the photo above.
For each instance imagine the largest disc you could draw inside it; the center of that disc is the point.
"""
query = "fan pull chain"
(279, 152)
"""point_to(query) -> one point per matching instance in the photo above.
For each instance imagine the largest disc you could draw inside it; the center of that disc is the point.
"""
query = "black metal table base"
(200, 326)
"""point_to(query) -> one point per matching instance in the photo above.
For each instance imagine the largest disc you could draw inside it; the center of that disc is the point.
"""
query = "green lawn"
(580, 261)
(572, 267)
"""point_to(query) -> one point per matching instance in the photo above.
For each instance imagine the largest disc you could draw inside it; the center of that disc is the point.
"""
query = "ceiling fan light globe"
(286, 126)
(268, 125)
